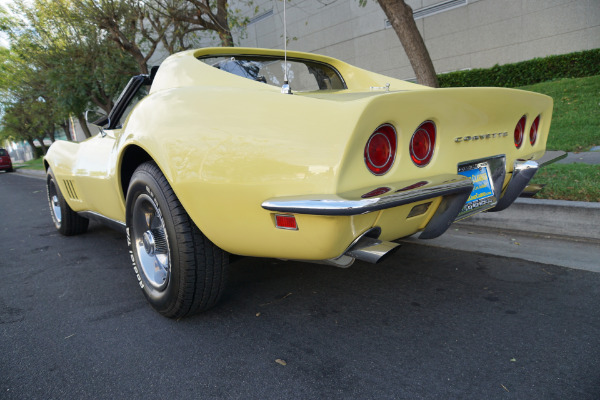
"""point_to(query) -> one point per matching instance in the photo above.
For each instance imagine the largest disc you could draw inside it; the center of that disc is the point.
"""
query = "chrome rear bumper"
(522, 173)
(355, 202)
(454, 190)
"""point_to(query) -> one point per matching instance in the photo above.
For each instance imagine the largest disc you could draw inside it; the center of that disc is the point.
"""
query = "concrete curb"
(577, 219)
(31, 173)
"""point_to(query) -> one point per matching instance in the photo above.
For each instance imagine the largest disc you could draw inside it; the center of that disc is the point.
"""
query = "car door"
(96, 169)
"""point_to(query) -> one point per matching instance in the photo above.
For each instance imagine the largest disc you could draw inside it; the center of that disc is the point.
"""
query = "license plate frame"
(483, 195)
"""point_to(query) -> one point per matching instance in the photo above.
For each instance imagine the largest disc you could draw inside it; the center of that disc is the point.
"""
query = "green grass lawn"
(37, 164)
(575, 127)
(579, 182)
(576, 118)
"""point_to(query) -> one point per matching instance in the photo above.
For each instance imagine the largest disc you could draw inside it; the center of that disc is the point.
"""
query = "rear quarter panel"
(225, 151)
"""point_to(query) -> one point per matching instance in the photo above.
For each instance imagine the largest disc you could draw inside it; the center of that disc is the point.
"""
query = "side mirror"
(98, 118)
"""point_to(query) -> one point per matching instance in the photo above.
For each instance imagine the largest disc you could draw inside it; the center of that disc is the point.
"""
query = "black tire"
(180, 271)
(66, 221)
(11, 169)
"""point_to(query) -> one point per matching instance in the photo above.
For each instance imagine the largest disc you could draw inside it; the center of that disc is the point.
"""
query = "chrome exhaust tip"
(372, 250)
(367, 247)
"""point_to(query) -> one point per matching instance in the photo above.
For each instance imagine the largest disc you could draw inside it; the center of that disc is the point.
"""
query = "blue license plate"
(483, 188)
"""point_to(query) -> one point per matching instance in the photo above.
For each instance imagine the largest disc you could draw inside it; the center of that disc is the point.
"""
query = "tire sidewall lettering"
(155, 201)
(132, 258)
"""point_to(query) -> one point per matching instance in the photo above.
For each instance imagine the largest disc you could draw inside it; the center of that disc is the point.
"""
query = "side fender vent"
(71, 192)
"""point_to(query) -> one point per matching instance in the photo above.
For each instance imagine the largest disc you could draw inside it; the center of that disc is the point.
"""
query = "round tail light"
(380, 150)
(422, 144)
(520, 132)
(534, 130)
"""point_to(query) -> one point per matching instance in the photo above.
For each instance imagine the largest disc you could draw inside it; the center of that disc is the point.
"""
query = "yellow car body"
(237, 152)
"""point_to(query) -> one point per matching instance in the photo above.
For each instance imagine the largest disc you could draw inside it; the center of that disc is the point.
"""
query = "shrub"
(572, 65)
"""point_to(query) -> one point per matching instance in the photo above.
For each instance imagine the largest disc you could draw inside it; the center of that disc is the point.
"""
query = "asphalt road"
(427, 323)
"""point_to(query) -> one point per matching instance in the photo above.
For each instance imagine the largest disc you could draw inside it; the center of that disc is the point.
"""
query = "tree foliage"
(135, 27)
(69, 65)
(29, 108)
(202, 16)
(67, 56)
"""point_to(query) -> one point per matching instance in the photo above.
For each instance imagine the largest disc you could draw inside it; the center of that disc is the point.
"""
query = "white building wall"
(473, 34)
(476, 34)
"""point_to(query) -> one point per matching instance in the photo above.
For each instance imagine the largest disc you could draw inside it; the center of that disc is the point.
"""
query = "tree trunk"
(106, 107)
(84, 127)
(401, 17)
(50, 134)
(223, 23)
(126, 46)
(226, 38)
(65, 126)
(43, 147)
(37, 152)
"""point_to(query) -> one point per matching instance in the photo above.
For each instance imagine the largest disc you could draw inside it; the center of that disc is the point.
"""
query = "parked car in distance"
(5, 161)
(297, 156)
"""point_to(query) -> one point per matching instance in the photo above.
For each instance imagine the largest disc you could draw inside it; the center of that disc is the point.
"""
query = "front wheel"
(180, 271)
(66, 221)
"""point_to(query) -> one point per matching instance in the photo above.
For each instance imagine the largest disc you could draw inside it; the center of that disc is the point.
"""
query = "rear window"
(303, 75)
(3, 153)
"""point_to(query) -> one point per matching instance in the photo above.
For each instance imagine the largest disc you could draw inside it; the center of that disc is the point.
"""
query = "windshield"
(303, 75)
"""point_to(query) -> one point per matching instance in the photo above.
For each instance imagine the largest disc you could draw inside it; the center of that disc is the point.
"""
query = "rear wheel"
(180, 270)
(66, 221)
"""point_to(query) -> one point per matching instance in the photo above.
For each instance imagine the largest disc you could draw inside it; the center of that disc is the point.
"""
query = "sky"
(3, 41)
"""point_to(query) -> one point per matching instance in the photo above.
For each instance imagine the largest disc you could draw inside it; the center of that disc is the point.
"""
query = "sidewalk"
(585, 157)
(33, 173)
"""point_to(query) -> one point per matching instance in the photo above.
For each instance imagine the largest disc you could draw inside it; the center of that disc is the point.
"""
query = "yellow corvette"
(216, 153)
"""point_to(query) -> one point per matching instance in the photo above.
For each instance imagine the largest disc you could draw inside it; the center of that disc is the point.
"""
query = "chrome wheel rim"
(54, 204)
(150, 242)
(56, 208)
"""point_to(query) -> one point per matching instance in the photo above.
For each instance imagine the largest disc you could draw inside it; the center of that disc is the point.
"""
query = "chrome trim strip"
(351, 203)
(550, 157)
(522, 173)
(430, 154)
(395, 152)
(111, 223)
